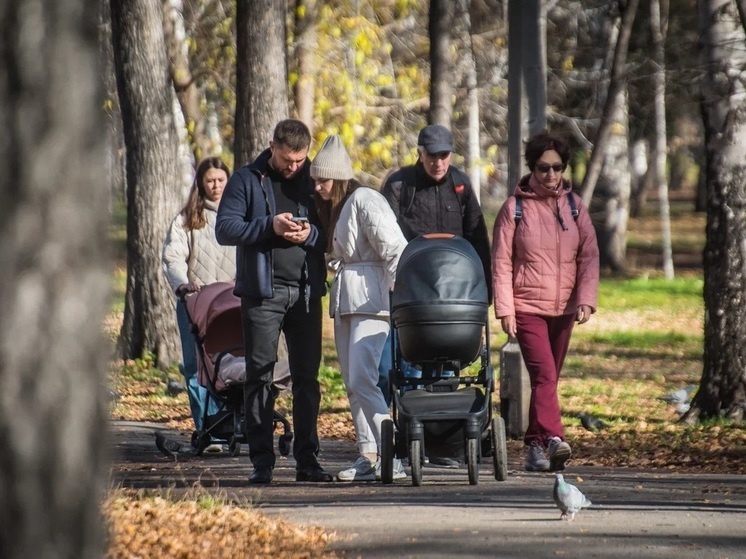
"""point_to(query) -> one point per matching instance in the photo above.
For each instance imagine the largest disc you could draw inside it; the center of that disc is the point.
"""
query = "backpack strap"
(406, 196)
(570, 199)
(573, 205)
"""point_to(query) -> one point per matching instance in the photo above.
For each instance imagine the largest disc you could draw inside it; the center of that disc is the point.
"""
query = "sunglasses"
(544, 168)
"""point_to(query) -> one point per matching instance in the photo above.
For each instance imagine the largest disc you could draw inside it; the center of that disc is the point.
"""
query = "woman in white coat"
(364, 244)
(192, 258)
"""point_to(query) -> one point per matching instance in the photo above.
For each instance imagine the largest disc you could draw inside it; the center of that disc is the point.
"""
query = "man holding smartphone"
(268, 213)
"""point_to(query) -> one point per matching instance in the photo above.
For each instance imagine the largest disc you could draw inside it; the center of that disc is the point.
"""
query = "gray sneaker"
(361, 470)
(399, 472)
(559, 453)
(536, 460)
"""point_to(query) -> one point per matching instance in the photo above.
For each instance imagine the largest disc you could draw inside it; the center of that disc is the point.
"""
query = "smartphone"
(299, 219)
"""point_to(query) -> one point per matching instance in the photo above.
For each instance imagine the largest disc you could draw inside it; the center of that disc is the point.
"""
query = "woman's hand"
(185, 288)
(508, 324)
(584, 314)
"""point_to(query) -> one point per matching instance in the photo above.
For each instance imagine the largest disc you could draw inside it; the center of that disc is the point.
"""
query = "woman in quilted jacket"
(364, 244)
(192, 258)
(545, 272)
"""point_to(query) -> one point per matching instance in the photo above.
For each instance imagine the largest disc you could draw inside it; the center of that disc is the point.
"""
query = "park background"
(127, 95)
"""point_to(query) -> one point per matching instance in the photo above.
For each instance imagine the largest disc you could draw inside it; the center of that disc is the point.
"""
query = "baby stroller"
(215, 316)
(439, 317)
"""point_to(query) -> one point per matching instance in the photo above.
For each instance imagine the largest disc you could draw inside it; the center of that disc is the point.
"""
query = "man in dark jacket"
(267, 212)
(433, 196)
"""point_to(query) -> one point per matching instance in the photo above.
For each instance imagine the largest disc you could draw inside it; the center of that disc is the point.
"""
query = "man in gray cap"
(433, 196)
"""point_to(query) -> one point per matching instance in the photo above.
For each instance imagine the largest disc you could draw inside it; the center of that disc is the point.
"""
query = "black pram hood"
(435, 269)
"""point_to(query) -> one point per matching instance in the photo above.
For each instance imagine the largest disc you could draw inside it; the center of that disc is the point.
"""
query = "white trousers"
(360, 340)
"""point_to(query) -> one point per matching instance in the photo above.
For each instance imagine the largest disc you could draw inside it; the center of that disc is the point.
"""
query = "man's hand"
(287, 229)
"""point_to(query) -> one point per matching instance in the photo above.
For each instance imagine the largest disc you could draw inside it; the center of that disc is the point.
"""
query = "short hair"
(542, 142)
(292, 134)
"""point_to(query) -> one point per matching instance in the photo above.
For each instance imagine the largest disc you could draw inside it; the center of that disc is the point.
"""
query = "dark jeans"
(262, 321)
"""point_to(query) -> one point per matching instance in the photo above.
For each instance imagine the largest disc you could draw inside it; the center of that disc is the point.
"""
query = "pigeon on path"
(167, 446)
(592, 423)
(568, 498)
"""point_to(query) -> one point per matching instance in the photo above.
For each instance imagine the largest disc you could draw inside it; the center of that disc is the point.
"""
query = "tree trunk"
(722, 389)
(305, 51)
(191, 99)
(474, 159)
(441, 61)
(616, 86)
(610, 204)
(54, 280)
(658, 18)
(153, 196)
(261, 76)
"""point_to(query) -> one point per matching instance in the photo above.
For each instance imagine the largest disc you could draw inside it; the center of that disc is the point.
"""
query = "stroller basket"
(440, 303)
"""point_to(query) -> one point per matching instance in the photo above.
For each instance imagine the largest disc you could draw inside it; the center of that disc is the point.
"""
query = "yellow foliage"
(567, 63)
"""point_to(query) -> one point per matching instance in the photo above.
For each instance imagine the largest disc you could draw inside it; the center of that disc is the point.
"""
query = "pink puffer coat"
(547, 262)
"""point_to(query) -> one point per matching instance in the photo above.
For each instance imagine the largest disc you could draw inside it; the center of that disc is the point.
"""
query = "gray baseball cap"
(435, 139)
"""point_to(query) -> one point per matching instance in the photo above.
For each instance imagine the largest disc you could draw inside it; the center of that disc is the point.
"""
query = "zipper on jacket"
(559, 255)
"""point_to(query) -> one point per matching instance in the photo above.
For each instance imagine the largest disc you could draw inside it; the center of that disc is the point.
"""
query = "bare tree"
(441, 61)
(153, 194)
(722, 389)
(261, 76)
(658, 24)
(53, 280)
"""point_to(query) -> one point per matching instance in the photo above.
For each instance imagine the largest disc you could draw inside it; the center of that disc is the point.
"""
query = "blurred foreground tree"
(722, 390)
(54, 280)
(146, 100)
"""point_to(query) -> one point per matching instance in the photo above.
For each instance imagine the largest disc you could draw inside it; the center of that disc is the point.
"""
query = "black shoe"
(443, 462)
(315, 474)
(261, 474)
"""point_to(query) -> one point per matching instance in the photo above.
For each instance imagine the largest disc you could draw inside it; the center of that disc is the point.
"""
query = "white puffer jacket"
(366, 248)
(196, 256)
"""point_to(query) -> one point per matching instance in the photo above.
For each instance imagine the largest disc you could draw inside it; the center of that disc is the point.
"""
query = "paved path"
(634, 513)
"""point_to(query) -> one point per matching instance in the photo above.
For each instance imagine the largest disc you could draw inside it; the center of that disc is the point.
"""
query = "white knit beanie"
(332, 161)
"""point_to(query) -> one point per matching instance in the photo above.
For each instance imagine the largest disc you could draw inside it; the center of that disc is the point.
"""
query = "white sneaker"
(399, 472)
(361, 470)
(213, 448)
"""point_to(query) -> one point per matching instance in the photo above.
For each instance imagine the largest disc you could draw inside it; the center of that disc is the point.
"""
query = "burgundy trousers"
(544, 341)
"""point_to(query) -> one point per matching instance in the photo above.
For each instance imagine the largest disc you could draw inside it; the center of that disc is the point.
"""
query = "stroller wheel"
(203, 441)
(234, 447)
(387, 451)
(472, 459)
(499, 448)
(283, 444)
(415, 461)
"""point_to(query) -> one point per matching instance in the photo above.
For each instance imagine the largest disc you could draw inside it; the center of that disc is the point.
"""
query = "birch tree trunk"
(54, 280)
(153, 182)
(261, 76)
(722, 390)
(658, 18)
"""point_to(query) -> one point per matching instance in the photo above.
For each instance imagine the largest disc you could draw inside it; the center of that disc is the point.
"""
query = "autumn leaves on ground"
(645, 341)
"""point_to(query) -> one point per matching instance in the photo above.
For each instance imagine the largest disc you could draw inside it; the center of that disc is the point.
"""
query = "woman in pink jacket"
(545, 272)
